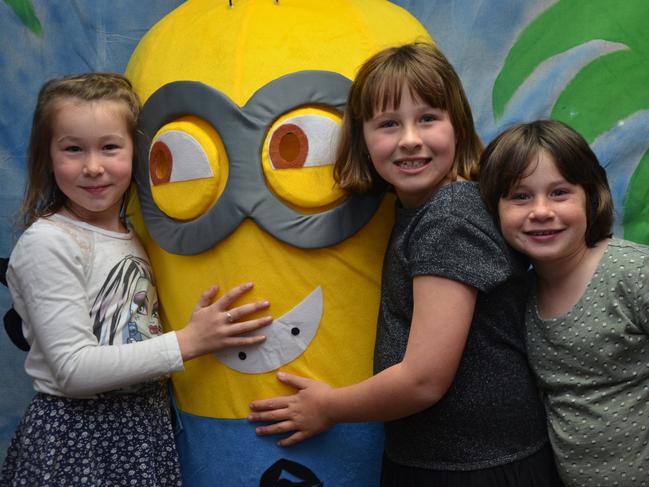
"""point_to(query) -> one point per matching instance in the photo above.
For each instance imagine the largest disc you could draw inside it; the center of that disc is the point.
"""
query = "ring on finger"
(229, 317)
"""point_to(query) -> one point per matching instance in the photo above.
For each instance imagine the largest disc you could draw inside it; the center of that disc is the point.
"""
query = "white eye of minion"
(177, 156)
(303, 141)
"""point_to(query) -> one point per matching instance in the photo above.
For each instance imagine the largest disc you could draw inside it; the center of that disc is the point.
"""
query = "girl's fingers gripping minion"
(206, 298)
(213, 327)
(304, 413)
(235, 330)
(236, 327)
(236, 315)
(225, 301)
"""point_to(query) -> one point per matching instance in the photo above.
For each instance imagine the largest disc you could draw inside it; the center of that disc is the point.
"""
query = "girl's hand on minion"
(214, 326)
(303, 413)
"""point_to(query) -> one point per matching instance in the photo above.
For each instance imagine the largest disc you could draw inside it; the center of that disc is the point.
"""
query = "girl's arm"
(99, 368)
(442, 314)
(47, 282)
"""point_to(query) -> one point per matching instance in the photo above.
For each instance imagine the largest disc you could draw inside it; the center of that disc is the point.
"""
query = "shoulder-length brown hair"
(378, 85)
(507, 158)
(42, 195)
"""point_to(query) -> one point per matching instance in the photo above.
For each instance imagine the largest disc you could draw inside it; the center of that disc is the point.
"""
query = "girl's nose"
(93, 166)
(541, 210)
(410, 138)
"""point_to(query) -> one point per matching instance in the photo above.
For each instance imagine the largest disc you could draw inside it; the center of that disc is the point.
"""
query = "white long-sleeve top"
(89, 308)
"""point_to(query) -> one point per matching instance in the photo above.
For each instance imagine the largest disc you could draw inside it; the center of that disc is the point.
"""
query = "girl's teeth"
(412, 164)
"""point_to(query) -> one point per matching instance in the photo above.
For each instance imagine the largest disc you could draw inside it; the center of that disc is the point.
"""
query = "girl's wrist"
(185, 343)
(332, 407)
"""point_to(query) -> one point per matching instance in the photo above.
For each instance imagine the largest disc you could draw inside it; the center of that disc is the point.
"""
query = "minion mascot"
(242, 105)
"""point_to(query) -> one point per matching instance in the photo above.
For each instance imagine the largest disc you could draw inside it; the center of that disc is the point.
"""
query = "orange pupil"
(288, 147)
(160, 163)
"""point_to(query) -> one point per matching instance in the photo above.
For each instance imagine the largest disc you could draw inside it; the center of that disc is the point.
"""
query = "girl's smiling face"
(92, 158)
(412, 147)
(544, 216)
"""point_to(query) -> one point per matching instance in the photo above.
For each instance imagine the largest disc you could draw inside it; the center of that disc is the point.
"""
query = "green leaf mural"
(25, 11)
(636, 213)
(604, 92)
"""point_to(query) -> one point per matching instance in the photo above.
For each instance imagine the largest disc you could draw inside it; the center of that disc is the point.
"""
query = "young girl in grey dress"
(452, 382)
(587, 317)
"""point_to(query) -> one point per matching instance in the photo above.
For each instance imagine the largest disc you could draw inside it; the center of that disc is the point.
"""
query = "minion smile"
(286, 338)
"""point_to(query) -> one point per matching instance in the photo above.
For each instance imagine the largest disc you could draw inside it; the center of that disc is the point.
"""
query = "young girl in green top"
(587, 321)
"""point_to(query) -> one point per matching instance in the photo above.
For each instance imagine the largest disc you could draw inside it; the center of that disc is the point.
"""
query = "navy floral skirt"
(114, 440)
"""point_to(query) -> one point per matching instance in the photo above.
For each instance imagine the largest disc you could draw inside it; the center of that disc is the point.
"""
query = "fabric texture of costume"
(491, 414)
(591, 364)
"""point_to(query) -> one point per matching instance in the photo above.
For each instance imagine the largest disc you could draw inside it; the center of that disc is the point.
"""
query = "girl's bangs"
(380, 95)
(384, 92)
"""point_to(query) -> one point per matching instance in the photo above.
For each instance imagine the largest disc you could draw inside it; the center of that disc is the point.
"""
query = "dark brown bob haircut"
(507, 159)
(42, 195)
(378, 85)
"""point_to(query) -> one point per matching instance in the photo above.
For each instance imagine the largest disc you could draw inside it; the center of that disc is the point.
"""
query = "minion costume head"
(242, 106)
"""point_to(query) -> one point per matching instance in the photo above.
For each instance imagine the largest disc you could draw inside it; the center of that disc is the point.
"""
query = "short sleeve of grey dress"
(491, 414)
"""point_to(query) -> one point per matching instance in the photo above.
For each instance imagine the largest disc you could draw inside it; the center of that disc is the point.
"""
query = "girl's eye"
(429, 117)
(518, 196)
(387, 124)
(72, 148)
(559, 192)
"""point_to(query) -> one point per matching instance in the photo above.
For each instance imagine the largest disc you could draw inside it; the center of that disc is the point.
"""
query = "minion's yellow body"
(198, 155)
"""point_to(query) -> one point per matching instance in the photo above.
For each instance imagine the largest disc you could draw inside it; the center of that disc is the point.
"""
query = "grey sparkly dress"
(492, 414)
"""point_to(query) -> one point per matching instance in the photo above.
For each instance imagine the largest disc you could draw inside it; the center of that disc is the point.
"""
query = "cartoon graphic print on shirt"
(127, 304)
(143, 321)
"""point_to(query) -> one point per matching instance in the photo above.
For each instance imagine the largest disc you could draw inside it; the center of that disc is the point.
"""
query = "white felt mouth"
(286, 338)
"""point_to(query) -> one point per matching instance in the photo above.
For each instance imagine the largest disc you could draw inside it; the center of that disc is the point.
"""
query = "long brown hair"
(42, 195)
(378, 85)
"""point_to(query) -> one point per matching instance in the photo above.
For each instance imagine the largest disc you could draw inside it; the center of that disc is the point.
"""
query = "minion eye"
(177, 156)
(298, 156)
(303, 141)
(188, 167)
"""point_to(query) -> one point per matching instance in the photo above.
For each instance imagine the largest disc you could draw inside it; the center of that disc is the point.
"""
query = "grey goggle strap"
(246, 194)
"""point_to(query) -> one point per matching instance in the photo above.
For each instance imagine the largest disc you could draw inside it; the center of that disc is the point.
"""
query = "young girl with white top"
(588, 315)
(452, 382)
(81, 282)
